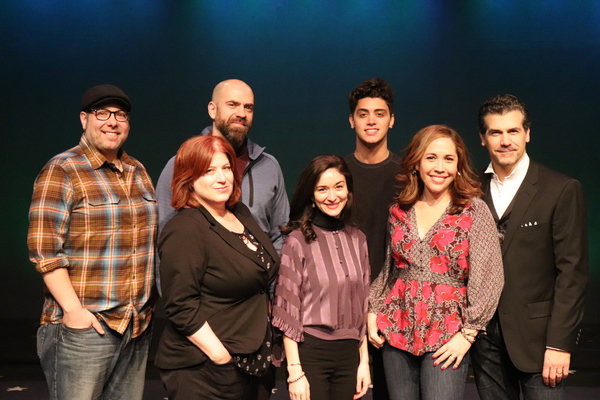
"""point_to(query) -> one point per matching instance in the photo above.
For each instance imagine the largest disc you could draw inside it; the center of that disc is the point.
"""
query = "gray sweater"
(263, 191)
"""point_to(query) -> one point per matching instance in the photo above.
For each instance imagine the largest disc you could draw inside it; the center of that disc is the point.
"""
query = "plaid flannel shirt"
(100, 224)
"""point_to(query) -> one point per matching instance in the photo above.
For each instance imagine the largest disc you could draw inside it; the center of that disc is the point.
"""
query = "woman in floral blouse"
(443, 274)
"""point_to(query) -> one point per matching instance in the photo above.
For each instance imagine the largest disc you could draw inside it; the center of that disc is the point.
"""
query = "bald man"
(263, 188)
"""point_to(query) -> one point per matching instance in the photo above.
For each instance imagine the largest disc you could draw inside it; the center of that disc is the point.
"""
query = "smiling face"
(214, 187)
(505, 139)
(106, 136)
(438, 166)
(232, 109)
(331, 192)
(371, 120)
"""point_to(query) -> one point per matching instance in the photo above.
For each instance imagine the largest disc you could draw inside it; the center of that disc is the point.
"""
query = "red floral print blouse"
(431, 288)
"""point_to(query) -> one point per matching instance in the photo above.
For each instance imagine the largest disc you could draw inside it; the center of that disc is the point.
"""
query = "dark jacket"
(209, 275)
(263, 191)
(545, 258)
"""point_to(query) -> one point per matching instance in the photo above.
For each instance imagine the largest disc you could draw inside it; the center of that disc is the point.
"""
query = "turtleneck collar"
(326, 222)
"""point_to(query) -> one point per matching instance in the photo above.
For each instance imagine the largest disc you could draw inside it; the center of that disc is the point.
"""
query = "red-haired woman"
(216, 267)
(443, 274)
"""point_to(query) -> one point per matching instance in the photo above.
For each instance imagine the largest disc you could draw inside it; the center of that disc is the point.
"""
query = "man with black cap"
(92, 228)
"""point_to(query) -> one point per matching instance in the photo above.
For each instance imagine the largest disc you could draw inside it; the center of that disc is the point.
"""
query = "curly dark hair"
(374, 87)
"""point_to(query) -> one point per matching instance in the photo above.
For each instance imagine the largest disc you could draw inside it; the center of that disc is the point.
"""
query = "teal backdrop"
(443, 58)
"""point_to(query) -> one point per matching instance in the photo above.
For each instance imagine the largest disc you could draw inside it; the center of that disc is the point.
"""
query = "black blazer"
(209, 275)
(545, 258)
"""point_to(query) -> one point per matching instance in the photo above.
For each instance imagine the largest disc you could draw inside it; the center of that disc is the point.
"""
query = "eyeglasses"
(104, 115)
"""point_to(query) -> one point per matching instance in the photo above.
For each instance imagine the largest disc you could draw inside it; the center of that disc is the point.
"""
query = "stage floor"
(21, 377)
(26, 382)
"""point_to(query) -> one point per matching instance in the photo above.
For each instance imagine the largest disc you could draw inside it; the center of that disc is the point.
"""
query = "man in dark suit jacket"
(541, 219)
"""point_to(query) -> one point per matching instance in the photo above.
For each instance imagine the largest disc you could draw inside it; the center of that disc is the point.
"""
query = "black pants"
(496, 376)
(262, 386)
(206, 381)
(330, 367)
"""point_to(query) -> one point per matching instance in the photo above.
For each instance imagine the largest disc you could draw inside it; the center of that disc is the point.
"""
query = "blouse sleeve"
(486, 274)
(378, 292)
(287, 305)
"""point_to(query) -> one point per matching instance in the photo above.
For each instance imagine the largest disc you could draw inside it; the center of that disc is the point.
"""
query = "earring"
(313, 206)
(459, 174)
(414, 172)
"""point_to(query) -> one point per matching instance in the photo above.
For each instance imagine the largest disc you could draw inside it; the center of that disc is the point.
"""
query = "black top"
(209, 275)
(327, 222)
(375, 187)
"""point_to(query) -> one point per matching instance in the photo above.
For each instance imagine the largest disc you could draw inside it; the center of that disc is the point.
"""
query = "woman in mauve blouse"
(443, 274)
(321, 294)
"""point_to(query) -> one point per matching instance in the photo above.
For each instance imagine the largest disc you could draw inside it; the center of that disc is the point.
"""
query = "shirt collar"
(96, 158)
(517, 174)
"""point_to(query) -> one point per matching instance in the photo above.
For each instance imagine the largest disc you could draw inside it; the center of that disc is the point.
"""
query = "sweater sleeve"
(163, 195)
(280, 211)
(287, 306)
(486, 275)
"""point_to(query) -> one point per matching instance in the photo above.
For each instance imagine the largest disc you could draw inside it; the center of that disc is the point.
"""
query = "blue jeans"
(411, 377)
(82, 364)
(496, 376)
(380, 390)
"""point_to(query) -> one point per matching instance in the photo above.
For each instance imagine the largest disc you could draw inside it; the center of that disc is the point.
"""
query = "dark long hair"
(301, 208)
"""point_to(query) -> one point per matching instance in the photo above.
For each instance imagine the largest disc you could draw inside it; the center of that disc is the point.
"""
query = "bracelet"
(297, 379)
(469, 337)
(464, 332)
(292, 364)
